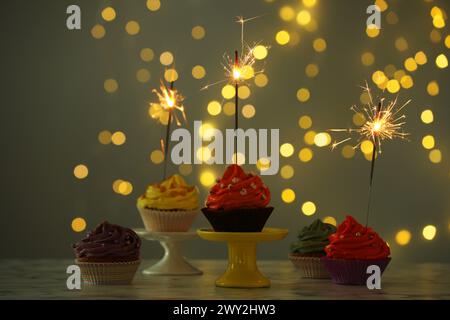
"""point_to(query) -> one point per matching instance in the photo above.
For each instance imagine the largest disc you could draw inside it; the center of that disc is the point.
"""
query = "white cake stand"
(172, 263)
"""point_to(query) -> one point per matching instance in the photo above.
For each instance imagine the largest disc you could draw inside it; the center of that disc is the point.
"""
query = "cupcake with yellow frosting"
(169, 206)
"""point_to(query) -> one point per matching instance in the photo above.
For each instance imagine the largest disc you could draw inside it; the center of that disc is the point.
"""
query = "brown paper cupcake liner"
(310, 267)
(108, 273)
(167, 220)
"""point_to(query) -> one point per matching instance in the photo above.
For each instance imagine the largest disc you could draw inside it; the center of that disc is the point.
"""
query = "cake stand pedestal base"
(242, 271)
(172, 263)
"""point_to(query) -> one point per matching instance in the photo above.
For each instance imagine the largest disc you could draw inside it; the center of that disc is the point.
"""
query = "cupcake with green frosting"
(307, 251)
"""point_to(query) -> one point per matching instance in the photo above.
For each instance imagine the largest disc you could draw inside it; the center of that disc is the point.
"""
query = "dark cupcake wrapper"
(238, 220)
(352, 272)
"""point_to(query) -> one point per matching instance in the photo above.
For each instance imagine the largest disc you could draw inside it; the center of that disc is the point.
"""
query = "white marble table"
(46, 279)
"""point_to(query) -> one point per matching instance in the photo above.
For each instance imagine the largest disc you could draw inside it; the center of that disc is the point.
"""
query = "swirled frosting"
(236, 189)
(355, 242)
(171, 194)
(312, 239)
(108, 243)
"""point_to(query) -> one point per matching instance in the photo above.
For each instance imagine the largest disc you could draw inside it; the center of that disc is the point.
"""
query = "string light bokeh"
(299, 25)
(310, 79)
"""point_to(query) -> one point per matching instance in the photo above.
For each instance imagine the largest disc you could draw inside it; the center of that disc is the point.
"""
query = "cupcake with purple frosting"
(109, 254)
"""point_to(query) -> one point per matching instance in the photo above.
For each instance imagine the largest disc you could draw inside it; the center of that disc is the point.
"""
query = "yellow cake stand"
(242, 271)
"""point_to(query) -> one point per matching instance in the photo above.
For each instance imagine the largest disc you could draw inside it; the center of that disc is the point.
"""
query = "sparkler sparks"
(384, 121)
(170, 100)
(242, 66)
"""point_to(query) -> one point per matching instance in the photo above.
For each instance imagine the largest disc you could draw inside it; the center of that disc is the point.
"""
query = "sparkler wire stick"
(372, 165)
(236, 108)
(167, 142)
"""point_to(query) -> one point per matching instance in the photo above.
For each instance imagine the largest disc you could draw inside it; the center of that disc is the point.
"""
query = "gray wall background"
(54, 105)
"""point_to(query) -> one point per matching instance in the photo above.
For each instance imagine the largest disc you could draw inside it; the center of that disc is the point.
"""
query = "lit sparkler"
(239, 69)
(384, 121)
(169, 101)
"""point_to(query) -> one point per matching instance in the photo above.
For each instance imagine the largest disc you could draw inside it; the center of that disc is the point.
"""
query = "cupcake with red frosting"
(238, 202)
(351, 250)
